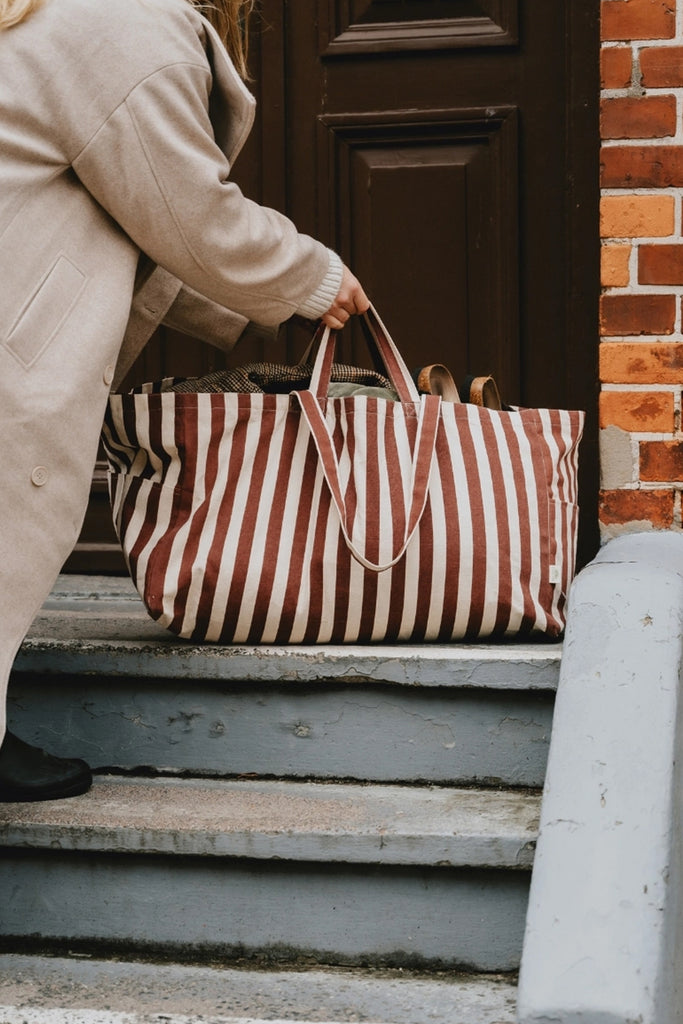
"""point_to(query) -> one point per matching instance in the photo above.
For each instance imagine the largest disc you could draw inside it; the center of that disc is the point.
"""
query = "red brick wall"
(641, 351)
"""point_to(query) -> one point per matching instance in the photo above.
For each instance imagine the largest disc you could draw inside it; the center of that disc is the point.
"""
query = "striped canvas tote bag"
(302, 518)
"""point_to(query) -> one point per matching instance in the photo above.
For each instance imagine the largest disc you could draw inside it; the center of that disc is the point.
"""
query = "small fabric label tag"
(554, 574)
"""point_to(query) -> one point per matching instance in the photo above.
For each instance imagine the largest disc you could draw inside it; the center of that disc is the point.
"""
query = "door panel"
(382, 25)
(425, 207)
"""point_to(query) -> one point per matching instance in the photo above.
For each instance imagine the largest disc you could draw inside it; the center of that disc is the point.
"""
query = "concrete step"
(132, 697)
(341, 874)
(63, 990)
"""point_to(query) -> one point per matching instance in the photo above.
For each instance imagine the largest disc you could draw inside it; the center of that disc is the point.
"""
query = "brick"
(625, 117)
(616, 66)
(637, 314)
(629, 362)
(662, 67)
(627, 506)
(638, 19)
(638, 411)
(661, 461)
(614, 265)
(660, 264)
(642, 166)
(631, 216)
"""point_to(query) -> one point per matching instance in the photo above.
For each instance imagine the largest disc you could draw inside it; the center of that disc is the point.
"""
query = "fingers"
(350, 300)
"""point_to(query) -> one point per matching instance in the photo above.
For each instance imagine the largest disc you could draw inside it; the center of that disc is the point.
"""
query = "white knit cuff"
(325, 294)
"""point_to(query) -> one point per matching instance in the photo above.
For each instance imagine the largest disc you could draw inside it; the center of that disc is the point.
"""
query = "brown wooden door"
(448, 150)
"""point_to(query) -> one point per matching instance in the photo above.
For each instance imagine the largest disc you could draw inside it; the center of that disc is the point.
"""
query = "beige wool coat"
(119, 123)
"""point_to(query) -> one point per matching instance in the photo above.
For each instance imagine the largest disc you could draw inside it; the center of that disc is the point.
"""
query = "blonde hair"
(230, 18)
(14, 11)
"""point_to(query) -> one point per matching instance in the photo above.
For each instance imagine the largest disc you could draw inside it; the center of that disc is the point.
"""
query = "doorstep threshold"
(99, 625)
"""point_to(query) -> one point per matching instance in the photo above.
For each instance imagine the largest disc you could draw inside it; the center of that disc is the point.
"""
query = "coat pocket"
(46, 310)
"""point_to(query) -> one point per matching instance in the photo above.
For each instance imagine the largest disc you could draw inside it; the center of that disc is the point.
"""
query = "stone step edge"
(76, 990)
(522, 667)
(287, 821)
(60, 1015)
(97, 625)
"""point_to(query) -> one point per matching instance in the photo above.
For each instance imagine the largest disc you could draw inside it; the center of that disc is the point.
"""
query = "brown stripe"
(478, 589)
(151, 443)
(523, 507)
(398, 572)
(143, 496)
(452, 553)
(541, 464)
(304, 523)
(373, 504)
(223, 516)
(256, 471)
(504, 597)
(198, 466)
(342, 590)
(285, 471)
(317, 567)
(395, 369)
(425, 573)
(156, 567)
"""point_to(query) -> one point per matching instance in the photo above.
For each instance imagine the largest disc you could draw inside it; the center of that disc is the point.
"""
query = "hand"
(350, 299)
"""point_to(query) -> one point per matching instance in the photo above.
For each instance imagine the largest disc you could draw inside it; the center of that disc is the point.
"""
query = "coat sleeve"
(156, 168)
(160, 298)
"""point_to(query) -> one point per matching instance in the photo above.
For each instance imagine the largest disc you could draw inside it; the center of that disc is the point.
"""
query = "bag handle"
(314, 345)
(420, 472)
(389, 360)
(311, 402)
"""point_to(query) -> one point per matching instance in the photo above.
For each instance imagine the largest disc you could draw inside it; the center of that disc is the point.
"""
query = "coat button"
(39, 476)
(108, 374)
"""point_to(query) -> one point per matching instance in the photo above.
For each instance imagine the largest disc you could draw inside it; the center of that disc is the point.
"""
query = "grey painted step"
(285, 821)
(338, 874)
(131, 696)
(98, 624)
(326, 730)
(36, 990)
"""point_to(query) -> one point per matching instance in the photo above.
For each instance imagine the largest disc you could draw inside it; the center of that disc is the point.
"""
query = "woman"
(119, 122)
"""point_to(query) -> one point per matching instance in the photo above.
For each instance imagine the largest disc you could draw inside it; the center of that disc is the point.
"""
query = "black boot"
(29, 773)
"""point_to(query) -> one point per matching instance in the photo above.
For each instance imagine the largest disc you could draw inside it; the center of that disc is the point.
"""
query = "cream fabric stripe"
(383, 464)
(137, 516)
(551, 423)
(263, 495)
(326, 532)
(285, 550)
(209, 430)
(460, 497)
(317, 524)
(194, 490)
(411, 596)
(440, 567)
(251, 427)
(215, 498)
(116, 441)
(509, 467)
(364, 429)
(166, 494)
(529, 438)
(278, 537)
(354, 605)
(399, 481)
(382, 604)
(491, 575)
(253, 529)
(337, 561)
